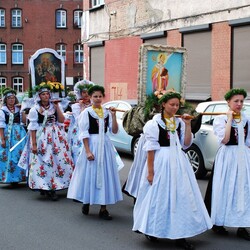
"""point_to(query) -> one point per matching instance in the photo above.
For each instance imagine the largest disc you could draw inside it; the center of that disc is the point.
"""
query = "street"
(32, 222)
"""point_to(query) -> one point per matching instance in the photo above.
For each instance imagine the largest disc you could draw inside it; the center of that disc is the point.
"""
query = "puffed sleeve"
(182, 134)
(219, 126)
(2, 119)
(83, 124)
(151, 132)
(33, 119)
(76, 110)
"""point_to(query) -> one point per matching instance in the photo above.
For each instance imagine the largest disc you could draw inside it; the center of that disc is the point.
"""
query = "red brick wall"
(39, 32)
(221, 58)
(121, 64)
(174, 38)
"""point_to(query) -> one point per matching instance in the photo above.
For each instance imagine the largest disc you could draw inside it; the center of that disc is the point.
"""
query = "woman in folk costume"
(47, 153)
(11, 132)
(169, 203)
(81, 92)
(95, 179)
(230, 204)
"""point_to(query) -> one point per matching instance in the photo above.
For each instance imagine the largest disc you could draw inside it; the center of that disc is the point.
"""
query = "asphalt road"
(31, 222)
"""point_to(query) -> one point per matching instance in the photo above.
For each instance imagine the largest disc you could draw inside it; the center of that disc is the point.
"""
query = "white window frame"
(61, 19)
(61, 50)
(96, 3)
(78, 53)
(18, 84)
(3, 54)
(17, 53)
(16, 17)
(77, 18)
(2, 18)
(3, 82)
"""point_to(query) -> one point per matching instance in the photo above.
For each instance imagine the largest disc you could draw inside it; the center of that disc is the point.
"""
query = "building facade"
(26, 26)
(216, 35)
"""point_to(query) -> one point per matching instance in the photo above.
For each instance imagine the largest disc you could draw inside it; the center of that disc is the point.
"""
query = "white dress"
(97, 181)
(73, 131)
(135, 172)
(172, 207)
(51, 168)
(231, 180)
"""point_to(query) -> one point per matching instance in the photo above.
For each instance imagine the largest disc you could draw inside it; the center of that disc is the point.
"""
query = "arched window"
(17, 83)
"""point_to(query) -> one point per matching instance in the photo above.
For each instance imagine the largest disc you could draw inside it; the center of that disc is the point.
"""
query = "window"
(61, 50)
(77, 18)
(2, 53)
(95, 3)
(61, 18)
(16, 18)
(17, 54)
(78, 52)
(3, 82)
(18, 84)
(2, 18)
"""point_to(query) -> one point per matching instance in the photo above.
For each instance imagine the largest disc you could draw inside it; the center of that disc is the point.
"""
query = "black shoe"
(184, 244)
(243, 233)
(105, 215)
(220, 230)
(151, 238)
(53, 196)
(42, 192)
(85, 209)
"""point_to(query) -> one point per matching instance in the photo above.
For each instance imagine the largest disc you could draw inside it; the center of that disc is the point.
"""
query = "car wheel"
(135, 146)
(197, 162)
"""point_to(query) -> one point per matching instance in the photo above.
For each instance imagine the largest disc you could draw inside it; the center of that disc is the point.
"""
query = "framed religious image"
(46, 65)
(161, 68)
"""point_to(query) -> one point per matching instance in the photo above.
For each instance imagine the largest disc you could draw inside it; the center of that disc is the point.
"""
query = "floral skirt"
(51, 168)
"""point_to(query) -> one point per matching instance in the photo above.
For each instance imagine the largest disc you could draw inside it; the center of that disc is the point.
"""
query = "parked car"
(203, 150)
(122, 141)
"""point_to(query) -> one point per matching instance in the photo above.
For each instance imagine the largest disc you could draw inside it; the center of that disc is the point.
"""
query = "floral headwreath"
(81, 86)
(42, 88)
(233, 92)
(9, 92)
(165, 95)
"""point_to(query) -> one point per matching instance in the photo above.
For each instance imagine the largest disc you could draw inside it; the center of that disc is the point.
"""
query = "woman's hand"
(112, 111)
(3, 143)
(186, 119)
(150, 178)
(90, 156)
(230, 114)
(34, 149)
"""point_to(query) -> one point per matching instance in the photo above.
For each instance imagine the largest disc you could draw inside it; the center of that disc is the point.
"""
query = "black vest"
(17, 117)
(164, 139)
(50, 118)
(234, 135)
(94, 124)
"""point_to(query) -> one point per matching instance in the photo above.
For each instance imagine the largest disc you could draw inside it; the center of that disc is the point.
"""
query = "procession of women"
(36, 149)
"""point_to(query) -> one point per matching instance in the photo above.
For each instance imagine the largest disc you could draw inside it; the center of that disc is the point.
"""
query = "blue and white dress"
(231, 179)
(73, 131)
(97, 181)
(172, 207)
(13, 132)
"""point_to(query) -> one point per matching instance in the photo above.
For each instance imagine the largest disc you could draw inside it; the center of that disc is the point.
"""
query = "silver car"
(203, 150)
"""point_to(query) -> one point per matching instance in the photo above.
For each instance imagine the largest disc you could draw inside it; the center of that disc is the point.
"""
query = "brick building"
(216, 35)
(26, 26)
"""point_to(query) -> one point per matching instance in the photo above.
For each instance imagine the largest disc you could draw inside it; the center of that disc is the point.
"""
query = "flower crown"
(233, 92)
(52, 86)
(165, 95)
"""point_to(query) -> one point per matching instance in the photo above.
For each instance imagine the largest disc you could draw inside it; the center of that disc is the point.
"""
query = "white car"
(203, 150)
(122, 141)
